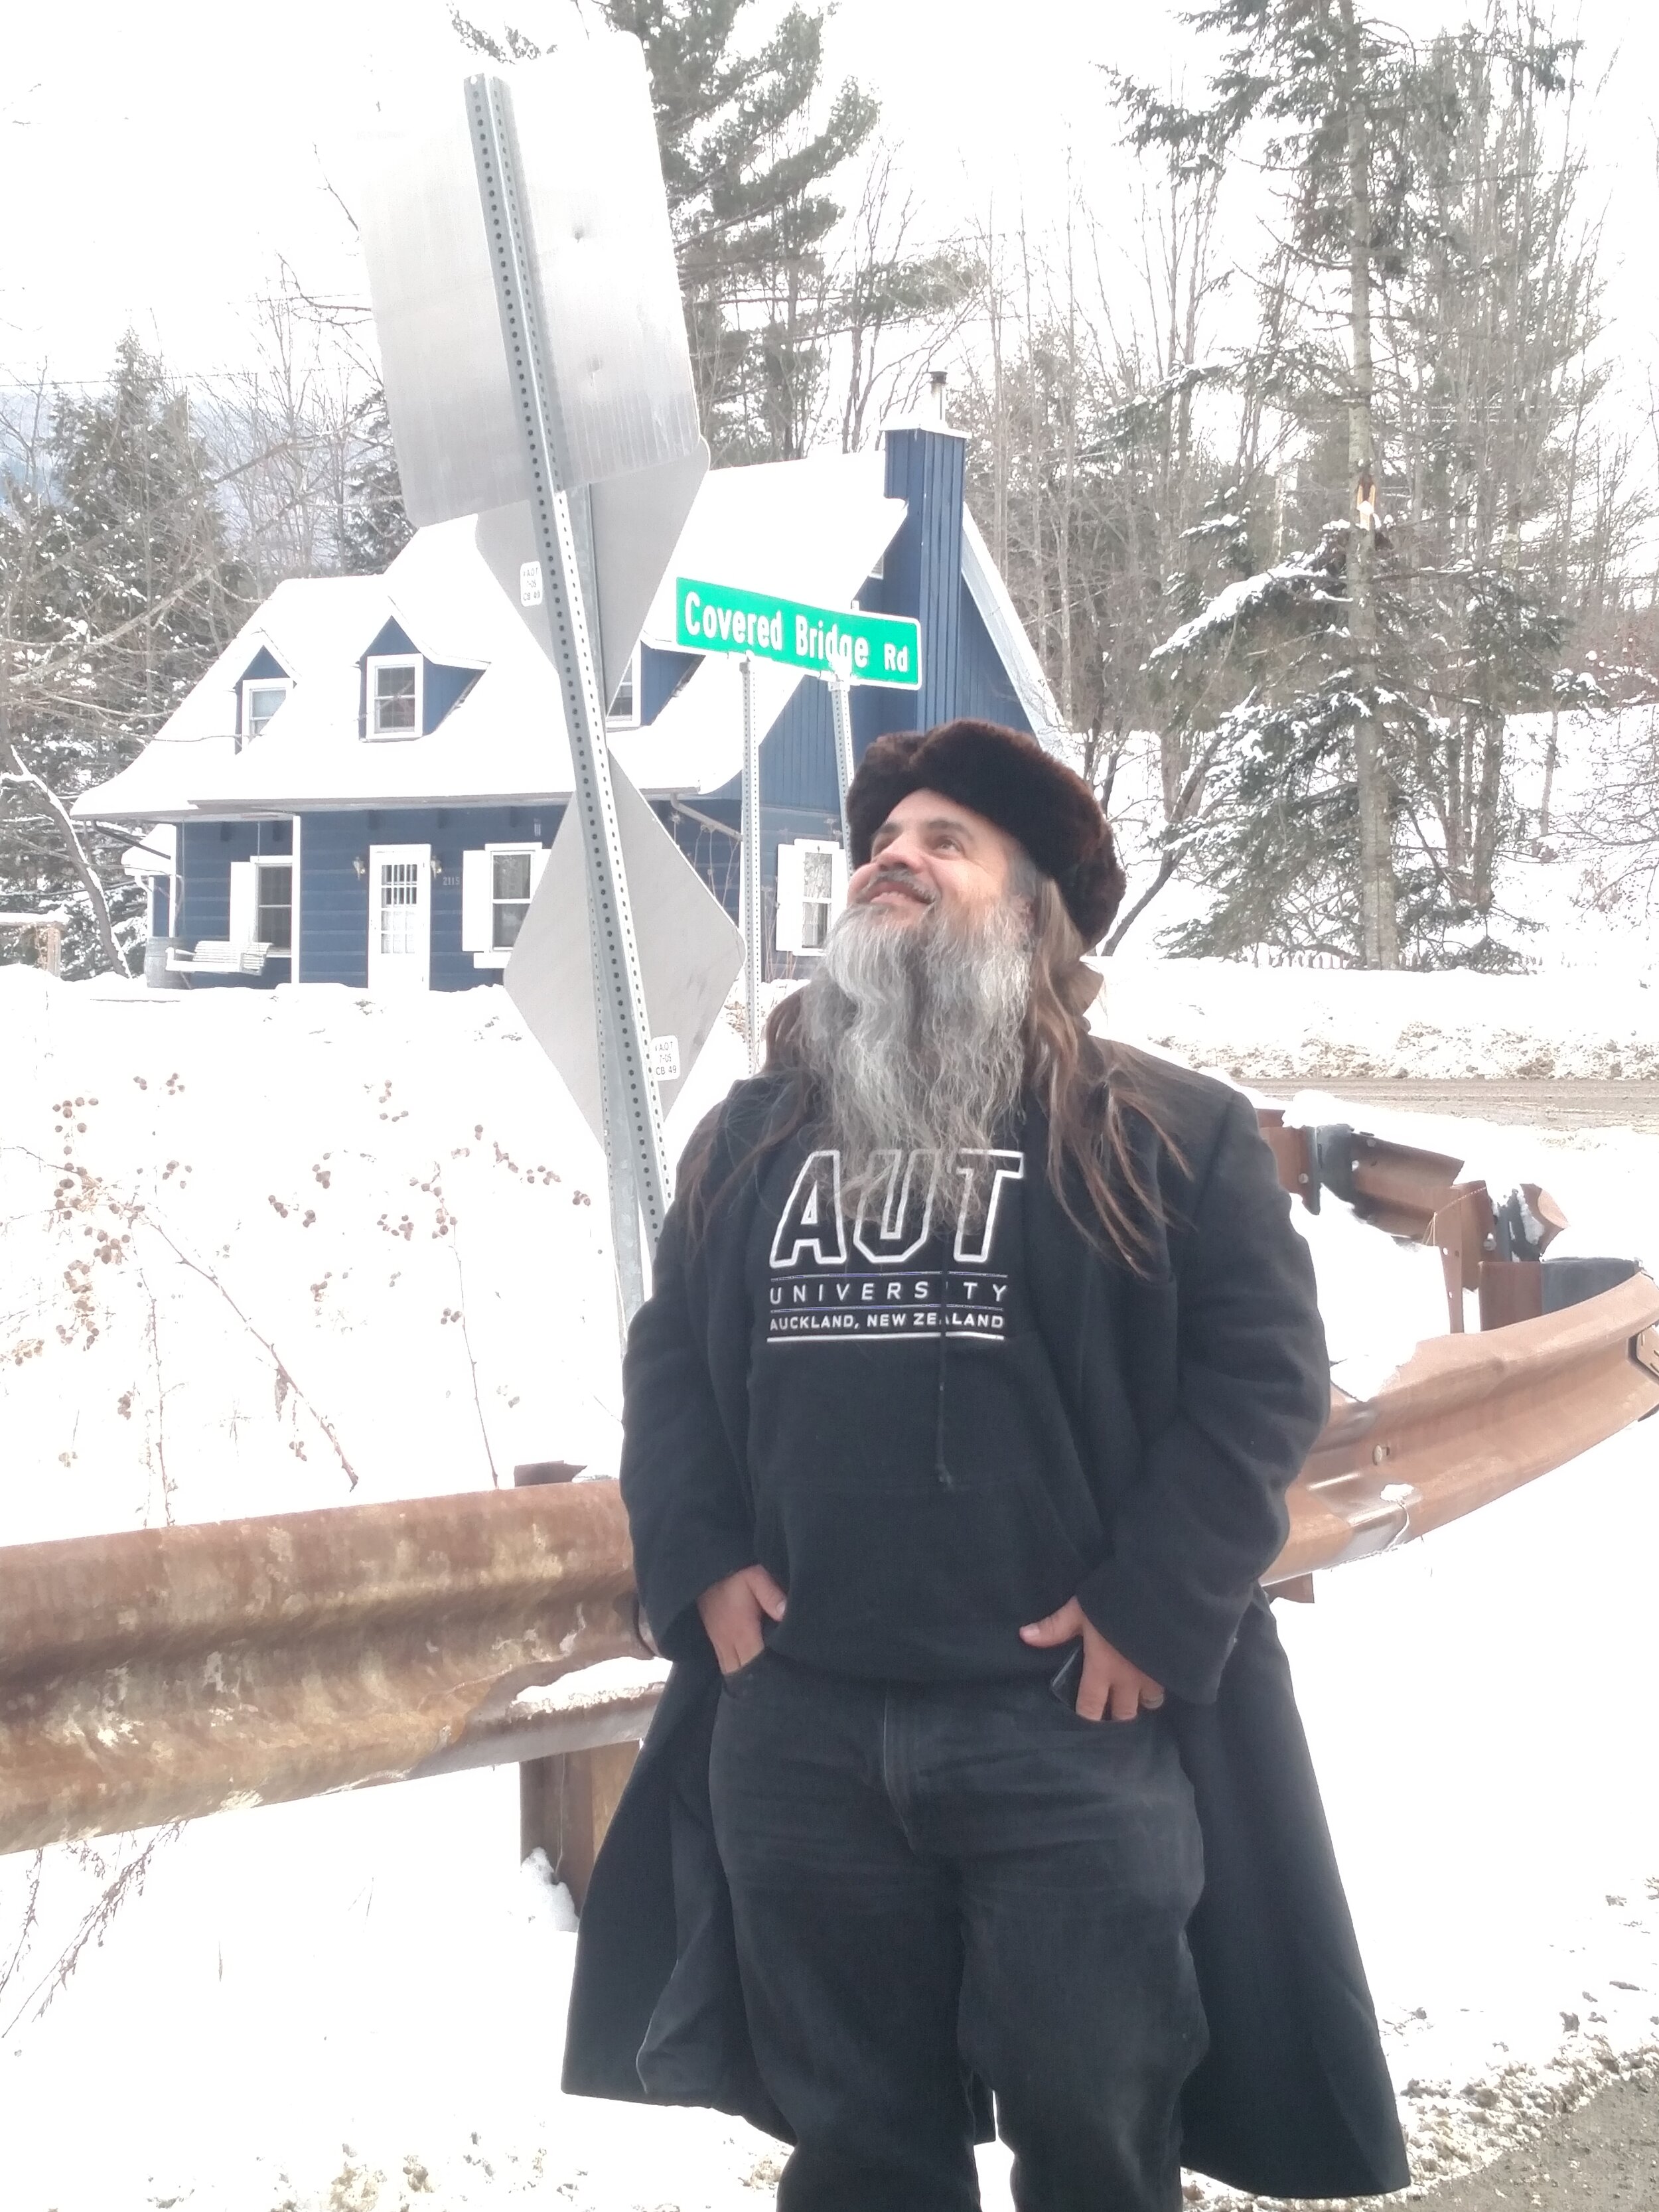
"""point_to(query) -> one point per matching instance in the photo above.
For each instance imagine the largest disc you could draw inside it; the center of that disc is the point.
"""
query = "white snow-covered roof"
(810, 530)
(504, 740)
(1007, 633)
(696, 744)
(158, 855)
(314, 628)
(745, 529)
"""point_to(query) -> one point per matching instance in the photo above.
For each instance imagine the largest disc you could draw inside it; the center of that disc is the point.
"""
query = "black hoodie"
(932, 1438)
(919, 1492)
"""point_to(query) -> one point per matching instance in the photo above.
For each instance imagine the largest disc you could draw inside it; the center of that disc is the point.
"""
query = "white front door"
(399, 918)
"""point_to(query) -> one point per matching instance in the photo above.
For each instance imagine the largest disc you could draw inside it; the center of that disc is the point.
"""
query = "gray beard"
(916, 1035)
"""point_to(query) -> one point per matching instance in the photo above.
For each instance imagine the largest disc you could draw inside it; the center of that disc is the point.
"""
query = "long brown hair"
(1086, 1093)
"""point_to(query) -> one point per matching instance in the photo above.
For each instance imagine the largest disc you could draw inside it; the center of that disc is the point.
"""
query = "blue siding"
(334, 897)
(661, 675)
(206, 850)
(800, 796)
(711, 852)
(443, 688)
(798, 753)
(922, 572)
(392, 638)
(983, 686)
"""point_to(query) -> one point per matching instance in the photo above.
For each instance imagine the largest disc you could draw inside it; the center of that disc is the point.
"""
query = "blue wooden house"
(364, 788)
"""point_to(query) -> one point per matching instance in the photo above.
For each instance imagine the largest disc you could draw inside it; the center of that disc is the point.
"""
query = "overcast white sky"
(156, 160)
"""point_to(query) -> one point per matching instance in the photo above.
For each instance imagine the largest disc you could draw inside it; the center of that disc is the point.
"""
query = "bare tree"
(895, 307)
(1104, 492)
(283, 439)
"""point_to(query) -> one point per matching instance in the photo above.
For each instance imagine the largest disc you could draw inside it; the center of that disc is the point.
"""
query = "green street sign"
(872, 648)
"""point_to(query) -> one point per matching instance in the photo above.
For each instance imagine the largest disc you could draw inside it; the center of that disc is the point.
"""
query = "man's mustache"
(905, 878)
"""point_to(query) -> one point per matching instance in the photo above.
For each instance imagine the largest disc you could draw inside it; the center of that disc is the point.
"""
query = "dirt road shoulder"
(1602, 2158)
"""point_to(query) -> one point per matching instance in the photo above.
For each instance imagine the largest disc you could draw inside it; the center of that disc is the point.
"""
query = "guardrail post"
(565, 1806)
(565, 1802)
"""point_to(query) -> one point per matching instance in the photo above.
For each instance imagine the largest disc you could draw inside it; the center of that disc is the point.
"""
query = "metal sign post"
(591, 409)
(841, 713)
(752, 907)
(639, 1182)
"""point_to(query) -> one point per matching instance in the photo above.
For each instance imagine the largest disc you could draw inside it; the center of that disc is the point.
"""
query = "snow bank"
(266, 1250)
(1265, 1024)
(355, 2005)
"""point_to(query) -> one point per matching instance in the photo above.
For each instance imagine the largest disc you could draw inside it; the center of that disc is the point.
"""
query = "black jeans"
(931, 1882)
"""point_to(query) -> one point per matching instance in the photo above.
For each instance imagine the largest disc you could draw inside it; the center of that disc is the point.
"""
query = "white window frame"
(373, 663)
(242, 932)
(250, 685)
(789, 914)
(299, 881)
(479, 894)
(262, 860)
(631, 719)
(241, 909)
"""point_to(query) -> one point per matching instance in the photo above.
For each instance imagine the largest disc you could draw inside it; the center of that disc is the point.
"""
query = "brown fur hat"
(1008, 778)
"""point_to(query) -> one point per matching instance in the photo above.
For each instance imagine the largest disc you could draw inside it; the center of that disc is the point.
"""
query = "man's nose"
(903, 851)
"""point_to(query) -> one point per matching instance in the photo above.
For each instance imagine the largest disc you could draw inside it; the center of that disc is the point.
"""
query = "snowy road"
(1561, 1103)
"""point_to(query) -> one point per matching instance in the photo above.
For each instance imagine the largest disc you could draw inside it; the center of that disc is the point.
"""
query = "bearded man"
(977, 1361)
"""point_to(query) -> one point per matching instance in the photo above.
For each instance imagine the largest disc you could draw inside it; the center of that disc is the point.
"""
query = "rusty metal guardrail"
(163, 1674)
(1467, 1419)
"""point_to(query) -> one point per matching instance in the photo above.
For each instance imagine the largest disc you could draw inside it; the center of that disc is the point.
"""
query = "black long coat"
(1197, 1385)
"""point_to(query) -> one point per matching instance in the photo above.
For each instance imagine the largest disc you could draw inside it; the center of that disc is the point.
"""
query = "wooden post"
(565, 1806)
(565, 1802)
(45, 934)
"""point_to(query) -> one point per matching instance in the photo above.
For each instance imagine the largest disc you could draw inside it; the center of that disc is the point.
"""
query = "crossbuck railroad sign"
(829, 641)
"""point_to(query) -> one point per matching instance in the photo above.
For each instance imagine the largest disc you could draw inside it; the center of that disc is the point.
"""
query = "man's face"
(933, 855)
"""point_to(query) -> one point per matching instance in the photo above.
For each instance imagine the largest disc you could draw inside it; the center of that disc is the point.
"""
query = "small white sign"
(665, 1058)
(530, 583)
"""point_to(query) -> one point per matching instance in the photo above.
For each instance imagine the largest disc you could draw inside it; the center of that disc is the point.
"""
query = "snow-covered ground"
(356, 2003)
(1262, 1024)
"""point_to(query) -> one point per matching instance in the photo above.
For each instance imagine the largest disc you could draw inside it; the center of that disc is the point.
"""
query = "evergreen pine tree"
(376, 528)
(1334, 91)
(747, 166)
(118, 592)
(1360, 689)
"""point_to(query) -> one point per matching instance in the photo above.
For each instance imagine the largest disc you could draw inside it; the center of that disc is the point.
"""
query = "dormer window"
(394, 697)
(261, 697)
